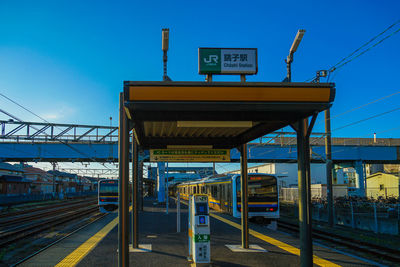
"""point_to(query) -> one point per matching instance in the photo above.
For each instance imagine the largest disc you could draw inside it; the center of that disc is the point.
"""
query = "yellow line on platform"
(317, 260)
(79, 253)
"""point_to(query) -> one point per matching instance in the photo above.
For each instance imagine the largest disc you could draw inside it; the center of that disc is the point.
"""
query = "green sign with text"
(227, 60)
(190, 155)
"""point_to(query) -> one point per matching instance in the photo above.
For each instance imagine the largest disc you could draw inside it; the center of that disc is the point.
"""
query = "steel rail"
(56, 241)
(39, 214)
(11, 214)
(11, 237)
(357, 245)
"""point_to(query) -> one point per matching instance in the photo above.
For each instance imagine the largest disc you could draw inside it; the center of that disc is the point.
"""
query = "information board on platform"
(190, 155)
(227, 60)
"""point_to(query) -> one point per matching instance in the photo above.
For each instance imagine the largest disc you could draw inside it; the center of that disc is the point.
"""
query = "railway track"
(56, 241)
(29, 215)
(46, 207)
(36, 222)
(357, 245)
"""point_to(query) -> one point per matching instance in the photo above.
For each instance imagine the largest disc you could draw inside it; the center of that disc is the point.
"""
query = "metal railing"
(374, 215)
(52, 132)
(13, 130)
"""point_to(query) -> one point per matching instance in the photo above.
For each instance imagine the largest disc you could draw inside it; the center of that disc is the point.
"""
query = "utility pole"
(328, 152)
(54, 178)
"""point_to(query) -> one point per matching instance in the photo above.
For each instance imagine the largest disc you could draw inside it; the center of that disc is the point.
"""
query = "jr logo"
(212, 59)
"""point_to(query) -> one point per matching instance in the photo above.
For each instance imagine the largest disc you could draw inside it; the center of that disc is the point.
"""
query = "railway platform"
(97, 245)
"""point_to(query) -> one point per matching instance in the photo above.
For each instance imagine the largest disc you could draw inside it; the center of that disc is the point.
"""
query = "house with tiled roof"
(66, 182)
(12, 181)
(42, 181)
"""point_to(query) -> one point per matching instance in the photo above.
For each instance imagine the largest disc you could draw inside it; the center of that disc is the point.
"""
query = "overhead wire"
(336, 66)
(359, 51)
(364, 105)
(365, 51)
(365, 119)
(344, 61)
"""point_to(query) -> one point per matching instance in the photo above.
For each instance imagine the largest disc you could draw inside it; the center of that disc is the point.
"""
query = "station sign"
(228, 60)
(190, 155)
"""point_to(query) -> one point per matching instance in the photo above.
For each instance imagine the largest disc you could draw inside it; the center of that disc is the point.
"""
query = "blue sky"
(67, 60)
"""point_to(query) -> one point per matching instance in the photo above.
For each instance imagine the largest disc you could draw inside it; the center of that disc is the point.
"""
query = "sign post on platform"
(199, 229)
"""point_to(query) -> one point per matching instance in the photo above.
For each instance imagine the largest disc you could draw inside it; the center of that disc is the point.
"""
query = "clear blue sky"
(67, 60)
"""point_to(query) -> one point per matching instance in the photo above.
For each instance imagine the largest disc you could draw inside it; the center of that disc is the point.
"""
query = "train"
(108, 195)
(224, 195)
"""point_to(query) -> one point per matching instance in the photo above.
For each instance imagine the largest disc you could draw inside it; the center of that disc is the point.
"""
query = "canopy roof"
(218, 114)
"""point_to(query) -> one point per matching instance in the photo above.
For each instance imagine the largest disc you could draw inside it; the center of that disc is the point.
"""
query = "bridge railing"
(283, 140)
(18, 131)
(51, 132)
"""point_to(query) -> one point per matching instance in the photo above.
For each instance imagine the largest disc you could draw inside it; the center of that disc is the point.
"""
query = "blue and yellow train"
(108, 195)
(224, 194)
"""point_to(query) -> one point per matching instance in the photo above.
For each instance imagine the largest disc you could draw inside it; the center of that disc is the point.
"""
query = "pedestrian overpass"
(46, 142)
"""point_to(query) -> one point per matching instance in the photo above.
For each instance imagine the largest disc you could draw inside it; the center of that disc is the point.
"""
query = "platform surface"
(169, 248)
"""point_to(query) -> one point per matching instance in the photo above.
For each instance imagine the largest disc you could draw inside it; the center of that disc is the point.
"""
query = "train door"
(223, 198)
(229, 197)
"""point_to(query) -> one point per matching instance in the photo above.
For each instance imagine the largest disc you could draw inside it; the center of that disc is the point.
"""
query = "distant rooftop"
(10, 167)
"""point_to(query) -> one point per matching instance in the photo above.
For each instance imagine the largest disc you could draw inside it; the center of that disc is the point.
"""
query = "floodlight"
(297, 41)
(165, 39)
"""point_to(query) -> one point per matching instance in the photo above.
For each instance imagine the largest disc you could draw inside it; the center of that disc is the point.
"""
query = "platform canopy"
(217, 114)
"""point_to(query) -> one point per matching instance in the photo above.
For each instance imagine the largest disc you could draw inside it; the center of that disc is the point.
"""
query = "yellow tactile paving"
(78, 254)
(317, 260)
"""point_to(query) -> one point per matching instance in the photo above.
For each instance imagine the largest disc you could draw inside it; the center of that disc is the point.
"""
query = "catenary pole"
(328, 151)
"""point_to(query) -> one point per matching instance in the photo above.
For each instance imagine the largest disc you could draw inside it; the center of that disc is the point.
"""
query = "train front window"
(260, 188)
(108, 188)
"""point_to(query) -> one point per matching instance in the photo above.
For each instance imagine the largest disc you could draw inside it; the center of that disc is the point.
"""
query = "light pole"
(289, 59)
(165, 44)
(304, 183)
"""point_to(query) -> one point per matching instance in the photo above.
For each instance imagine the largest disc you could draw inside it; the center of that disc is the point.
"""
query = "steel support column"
(360, 177)
(123, 198)
(244, 196)
(305, 219)
(135, 193)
